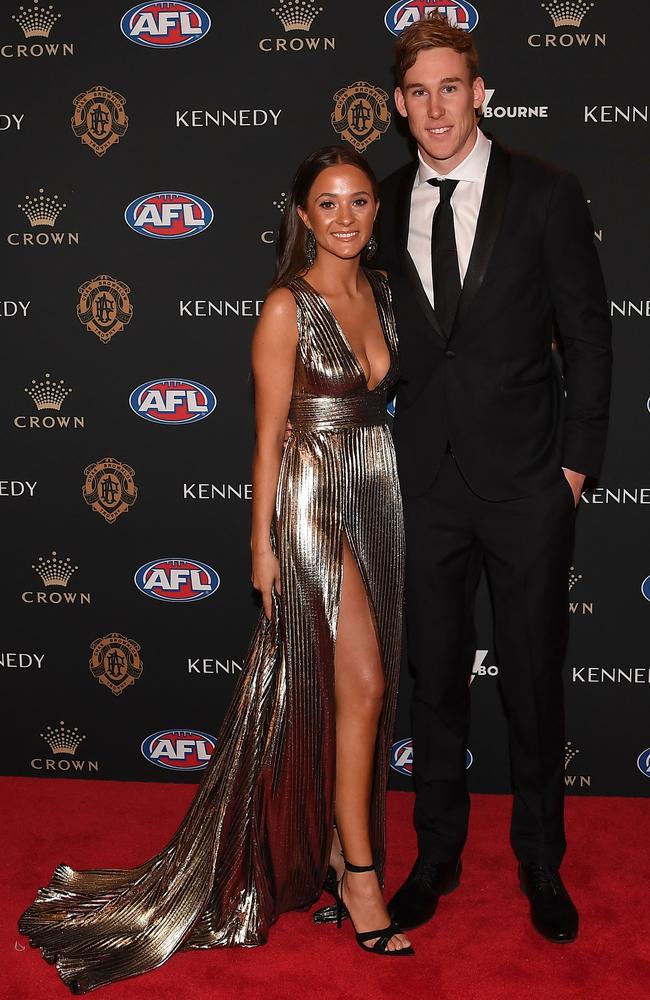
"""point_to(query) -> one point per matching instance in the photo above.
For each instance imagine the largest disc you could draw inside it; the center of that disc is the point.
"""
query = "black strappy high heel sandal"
(330, 883)
(328, 914)
(383, 936)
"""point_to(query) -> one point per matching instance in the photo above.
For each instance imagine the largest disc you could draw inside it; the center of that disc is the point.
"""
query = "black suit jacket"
(492, 389)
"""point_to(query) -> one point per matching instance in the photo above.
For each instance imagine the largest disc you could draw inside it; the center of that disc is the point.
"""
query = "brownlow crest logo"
(99, 119)
(104, 307)
(360, 114)
(115, 661)
(109, 488)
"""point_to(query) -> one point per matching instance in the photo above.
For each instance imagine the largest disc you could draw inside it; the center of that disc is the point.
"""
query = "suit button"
(450, 354)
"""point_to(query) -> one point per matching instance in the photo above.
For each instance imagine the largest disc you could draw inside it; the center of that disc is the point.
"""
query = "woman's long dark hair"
(291, 256)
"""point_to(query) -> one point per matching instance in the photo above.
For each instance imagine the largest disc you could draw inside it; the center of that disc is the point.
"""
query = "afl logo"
(643, 763)
(177, 580)
(172, 401)
(401, 757)
(165, 25)
(179, 749)
(459, 13)
(645, 588)
(169, 215)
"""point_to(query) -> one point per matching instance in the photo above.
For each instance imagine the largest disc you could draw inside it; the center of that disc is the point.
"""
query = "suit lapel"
(495, 191)
(402, 222)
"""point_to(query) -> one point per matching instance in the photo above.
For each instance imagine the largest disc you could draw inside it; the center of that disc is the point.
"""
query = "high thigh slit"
(256, 839)
(359, 690)
(374, 650)
(345, 542)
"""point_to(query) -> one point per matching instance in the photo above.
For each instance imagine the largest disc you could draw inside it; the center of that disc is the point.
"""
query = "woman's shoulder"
(278, 318)
(280, 303)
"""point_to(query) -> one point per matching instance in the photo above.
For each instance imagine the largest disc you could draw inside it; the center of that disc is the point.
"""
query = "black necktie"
(444, 258)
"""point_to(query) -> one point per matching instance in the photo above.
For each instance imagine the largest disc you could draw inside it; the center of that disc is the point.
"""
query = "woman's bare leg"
(359, 693)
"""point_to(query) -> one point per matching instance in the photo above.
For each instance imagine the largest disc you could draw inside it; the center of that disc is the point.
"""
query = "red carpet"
(480, 946)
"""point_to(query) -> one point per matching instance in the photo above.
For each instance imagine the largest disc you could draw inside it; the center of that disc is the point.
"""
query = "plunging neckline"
(344, 337)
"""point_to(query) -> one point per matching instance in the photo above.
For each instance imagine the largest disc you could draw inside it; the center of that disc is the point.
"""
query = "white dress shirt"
(465, 203)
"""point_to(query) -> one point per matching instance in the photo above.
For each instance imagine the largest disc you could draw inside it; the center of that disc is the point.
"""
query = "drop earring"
(371, 247)
(310, 248)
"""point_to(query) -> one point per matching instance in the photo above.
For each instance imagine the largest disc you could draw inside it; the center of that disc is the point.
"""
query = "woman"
(315, 704)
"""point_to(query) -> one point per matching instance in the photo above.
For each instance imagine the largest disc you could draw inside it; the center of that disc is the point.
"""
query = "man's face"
(440, 103)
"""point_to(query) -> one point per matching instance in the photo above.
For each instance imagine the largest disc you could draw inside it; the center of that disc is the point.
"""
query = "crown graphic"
(296, 15)
(36, 21)
(281, 202)
(574, 577)
(63, 740)
(567, 13)
(569, 753)
(41, 210)
(54, 572)
(48, 395)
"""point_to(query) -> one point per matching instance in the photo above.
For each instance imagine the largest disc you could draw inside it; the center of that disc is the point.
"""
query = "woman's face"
(341, 210)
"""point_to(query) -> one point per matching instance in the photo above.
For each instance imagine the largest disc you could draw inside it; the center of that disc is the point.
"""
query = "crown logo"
(63, 740)
(41, 210)
(48, 395)
(54, 572)
(36, 21)
(574, 578)
(296, 15)
(569, 753)
(567, 13)
(281, 202)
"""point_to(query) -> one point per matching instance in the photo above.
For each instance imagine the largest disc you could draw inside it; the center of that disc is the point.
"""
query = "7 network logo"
(459, 13)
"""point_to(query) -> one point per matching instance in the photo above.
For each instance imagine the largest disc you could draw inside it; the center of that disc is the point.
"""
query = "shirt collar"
(472, 168)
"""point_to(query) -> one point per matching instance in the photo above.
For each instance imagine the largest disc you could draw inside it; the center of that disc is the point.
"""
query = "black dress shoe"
(551, 909)
(416, 901)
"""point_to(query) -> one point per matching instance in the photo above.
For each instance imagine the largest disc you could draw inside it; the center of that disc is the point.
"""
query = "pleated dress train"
(256, 839)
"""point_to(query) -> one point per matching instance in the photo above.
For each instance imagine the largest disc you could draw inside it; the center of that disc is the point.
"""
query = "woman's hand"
(266, 577)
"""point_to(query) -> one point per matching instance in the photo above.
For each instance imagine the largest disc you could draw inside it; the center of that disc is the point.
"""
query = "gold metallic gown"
(256, 839)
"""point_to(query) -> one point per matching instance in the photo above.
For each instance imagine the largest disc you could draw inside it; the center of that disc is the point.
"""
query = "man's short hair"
(433, 32)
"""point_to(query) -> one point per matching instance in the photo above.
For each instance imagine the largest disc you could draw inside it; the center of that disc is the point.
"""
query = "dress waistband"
(322, 413)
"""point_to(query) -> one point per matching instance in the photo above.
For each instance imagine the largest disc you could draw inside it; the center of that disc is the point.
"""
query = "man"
(490, 256)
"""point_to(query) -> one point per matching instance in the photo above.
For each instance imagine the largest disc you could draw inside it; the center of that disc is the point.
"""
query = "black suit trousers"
(526, 546)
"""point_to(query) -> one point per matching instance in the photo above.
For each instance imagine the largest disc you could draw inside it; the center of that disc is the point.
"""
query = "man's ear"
(478, 88)
(400, 103)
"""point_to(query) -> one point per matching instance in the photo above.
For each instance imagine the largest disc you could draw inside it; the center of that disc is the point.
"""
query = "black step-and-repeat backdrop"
(146, 157)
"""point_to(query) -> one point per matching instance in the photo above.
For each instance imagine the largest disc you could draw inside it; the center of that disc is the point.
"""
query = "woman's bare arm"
(273, 360)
